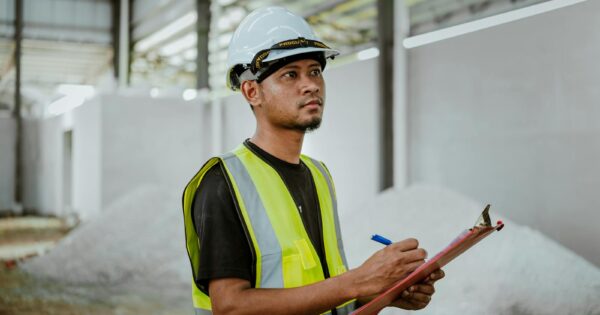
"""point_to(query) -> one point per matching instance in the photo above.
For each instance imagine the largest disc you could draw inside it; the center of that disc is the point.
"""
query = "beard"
(308, 126)
(314, 123)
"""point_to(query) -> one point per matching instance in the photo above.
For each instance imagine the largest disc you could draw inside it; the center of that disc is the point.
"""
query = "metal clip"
(484, 218)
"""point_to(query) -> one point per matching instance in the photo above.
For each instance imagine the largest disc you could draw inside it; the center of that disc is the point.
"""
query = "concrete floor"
(23, 293)
(25, 237)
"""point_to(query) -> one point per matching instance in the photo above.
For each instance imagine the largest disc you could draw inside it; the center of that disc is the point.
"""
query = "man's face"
(293, 97)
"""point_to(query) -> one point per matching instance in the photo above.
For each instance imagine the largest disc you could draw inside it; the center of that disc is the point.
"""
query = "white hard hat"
(266, 36)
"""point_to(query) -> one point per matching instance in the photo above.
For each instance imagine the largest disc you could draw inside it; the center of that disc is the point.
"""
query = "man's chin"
(312, 126)
(309, 126)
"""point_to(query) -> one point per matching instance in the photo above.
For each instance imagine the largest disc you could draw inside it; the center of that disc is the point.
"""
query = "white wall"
(123, 142)
(87, 176)
(144, 140)
(43, 165)
(509, 115)
(7, 163)
(347, 138)
(238, 121)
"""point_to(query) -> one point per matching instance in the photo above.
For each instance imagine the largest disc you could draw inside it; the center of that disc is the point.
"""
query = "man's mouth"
(313, 103)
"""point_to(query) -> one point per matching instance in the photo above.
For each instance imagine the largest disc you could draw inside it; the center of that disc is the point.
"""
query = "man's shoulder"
(213, 182)
(210, 167)
(214, 171)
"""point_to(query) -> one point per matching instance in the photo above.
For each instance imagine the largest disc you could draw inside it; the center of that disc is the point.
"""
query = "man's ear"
(251, 92)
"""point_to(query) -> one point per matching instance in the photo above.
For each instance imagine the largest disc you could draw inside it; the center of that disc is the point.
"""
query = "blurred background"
(108, 108)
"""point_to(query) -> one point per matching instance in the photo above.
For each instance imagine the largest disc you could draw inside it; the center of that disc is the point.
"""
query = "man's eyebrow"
(298, 67)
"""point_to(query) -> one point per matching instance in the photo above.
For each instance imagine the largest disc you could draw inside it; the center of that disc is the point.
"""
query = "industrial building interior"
(434, 109)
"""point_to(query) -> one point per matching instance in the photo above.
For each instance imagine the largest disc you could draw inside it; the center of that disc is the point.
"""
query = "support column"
(385, 26)
(115, 7)
(401, 31)
(17, 109)
(122, 46)
(215, 101)
(202, 29)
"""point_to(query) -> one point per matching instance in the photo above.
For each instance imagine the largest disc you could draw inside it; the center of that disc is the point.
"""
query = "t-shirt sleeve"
(224, 248)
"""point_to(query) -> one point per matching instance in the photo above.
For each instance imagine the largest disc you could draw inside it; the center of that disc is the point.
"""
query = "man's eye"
(316, 72)
(290, 74)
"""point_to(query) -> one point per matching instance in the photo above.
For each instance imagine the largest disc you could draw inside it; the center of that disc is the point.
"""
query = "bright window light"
(180, 44)
(368, 53)
(225, 39)
(190, 54)
(74, 95)
(154, 92)
(237, 14)
(176, 60)
(231, 18)
(189, 94)
(167, 31)
(64, 104)
(469, 27)
(85, 91)
(225, 2)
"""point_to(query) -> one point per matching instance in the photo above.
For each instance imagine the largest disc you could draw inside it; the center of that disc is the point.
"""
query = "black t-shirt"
(224, 248)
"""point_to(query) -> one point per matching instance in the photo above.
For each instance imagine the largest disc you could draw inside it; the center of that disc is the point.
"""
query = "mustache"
(318, 100)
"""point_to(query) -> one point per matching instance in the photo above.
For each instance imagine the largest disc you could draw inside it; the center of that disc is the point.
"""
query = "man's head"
(275, 60)
(292, 97)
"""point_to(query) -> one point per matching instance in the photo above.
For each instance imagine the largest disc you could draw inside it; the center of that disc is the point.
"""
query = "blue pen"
(381, 239)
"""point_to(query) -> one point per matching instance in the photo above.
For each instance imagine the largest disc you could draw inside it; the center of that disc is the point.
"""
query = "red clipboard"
(462, 243)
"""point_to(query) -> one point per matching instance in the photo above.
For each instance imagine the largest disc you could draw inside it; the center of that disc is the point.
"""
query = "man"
(261, 222)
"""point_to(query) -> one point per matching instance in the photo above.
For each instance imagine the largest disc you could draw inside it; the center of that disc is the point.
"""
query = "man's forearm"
(375, 275)
(236, 297)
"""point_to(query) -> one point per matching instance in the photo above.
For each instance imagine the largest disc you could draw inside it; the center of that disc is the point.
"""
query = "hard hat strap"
(279, 63)
(300, 42)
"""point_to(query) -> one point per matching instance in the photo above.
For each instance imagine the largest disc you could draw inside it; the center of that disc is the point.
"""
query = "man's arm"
(378, 273)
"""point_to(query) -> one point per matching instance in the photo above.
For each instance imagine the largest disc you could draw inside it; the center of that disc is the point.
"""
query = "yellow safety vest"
(284, 254)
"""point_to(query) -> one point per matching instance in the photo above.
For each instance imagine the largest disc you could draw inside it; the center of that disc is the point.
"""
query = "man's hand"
(387, 266)
(378, 273)
(418, 296)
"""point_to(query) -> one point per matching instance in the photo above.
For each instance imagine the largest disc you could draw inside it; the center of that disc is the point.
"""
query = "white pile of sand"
(137, 238)
(515, 271)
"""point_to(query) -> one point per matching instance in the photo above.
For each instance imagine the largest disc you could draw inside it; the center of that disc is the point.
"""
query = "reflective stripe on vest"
(285, 256)
(330, 217)
(199, 311)
(345, 309)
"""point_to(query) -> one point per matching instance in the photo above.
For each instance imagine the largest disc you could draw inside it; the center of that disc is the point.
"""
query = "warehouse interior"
(434, 109)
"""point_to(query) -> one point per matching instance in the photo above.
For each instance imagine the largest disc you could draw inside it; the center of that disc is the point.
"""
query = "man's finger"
(437, 275)
(405, 245)
(422, 288)
(434, 276)
(410, 267)
(412, 255)
(419, 298)
(410, 304)
(419, 305)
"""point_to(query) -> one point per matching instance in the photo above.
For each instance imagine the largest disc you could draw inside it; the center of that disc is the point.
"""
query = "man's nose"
(310, 85)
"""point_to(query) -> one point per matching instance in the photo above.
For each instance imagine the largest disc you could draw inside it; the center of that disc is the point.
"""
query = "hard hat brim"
(282, 53)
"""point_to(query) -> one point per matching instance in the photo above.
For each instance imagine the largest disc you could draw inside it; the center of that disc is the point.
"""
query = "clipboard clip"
(484, 218)
(485, 221)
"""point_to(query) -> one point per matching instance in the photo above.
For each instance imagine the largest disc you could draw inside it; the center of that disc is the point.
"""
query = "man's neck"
(283, 144)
